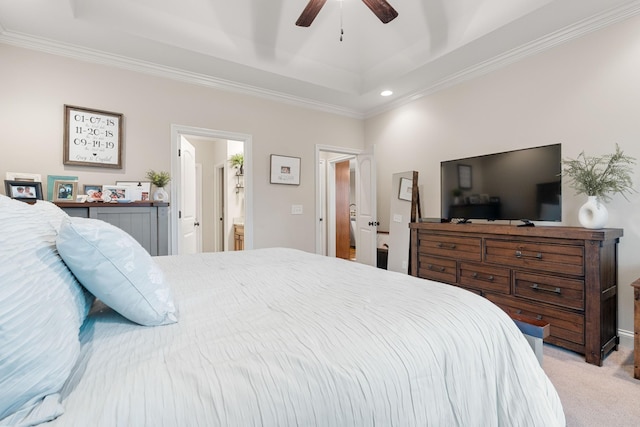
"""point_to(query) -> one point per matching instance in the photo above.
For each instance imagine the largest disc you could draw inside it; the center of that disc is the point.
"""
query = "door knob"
(196, 224)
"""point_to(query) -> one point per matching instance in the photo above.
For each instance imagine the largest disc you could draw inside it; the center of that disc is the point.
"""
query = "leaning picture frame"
(65, 191)
(116, 193)
(23, 190)
(23, 176)
(140, 190)
(285, 170)
(51, 179)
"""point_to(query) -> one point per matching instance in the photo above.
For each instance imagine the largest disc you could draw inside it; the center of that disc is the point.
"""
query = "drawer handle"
(477, 276)
(537, 287)
(538, 317)
(440, 245)
(440, 269)
(519, 254)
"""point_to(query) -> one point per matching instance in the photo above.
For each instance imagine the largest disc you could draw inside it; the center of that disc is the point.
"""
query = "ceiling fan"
(383, 10)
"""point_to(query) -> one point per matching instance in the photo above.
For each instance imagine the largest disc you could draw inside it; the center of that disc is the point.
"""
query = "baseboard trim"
(626, 338)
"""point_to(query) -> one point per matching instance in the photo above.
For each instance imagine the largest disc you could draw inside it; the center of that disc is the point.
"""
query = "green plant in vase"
(160, 180)
(599, 177)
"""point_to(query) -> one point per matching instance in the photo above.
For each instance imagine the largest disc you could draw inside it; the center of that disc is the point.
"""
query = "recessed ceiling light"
(386, 93)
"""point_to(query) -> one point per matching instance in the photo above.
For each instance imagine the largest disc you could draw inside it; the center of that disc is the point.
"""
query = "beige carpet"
(592, 395)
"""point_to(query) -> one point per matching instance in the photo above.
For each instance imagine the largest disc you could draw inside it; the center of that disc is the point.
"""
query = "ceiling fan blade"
(310, 12)
(383, 10)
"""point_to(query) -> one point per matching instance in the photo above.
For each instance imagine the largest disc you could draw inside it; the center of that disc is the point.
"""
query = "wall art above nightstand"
(92, 137)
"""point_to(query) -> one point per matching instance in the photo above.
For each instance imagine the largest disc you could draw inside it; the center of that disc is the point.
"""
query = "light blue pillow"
(42, 307)
(117, 270)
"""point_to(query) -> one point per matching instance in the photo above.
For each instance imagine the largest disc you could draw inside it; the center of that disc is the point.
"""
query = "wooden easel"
(416, 211)
(415, 199)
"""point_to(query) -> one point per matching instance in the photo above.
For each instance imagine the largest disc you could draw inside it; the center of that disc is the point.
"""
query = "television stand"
(564, 276)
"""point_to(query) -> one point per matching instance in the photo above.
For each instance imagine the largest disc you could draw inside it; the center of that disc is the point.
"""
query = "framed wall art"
(23, 190)
(285, 170)
(92, 137)
(406, 188)
(65, 191)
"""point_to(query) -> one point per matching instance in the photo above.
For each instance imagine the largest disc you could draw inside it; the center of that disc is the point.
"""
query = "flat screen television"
(513, 185)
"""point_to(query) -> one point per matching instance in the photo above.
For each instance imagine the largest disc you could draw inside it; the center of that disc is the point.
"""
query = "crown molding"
(542, 44)
(126, 63)
(547, 42)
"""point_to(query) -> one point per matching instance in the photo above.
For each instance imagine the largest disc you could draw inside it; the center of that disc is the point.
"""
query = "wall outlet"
(296, 209)
(404, 264)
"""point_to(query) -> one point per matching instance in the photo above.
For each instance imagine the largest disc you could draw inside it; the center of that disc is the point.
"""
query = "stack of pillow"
(51, 267)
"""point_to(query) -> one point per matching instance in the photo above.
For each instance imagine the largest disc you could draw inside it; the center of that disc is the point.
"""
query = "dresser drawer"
(538, 256)
(564, 325)
(463, 248)
(485, 277)
(554, 290)
(438, 269)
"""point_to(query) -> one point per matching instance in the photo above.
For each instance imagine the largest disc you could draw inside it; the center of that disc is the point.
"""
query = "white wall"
(584, 94)
(35, 86)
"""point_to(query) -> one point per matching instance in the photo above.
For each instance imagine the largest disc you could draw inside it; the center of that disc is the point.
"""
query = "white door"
(322, 206)
(220, 197)
(367, 221)
(188, 220)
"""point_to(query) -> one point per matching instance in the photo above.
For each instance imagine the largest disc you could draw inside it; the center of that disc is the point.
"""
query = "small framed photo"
(140, 190)
(51, 179)
(116, 193)
(65, 191)
(23, 190)
(285, 170)
(406, 189)
(91, 187)
(464, 177)
(93, 192)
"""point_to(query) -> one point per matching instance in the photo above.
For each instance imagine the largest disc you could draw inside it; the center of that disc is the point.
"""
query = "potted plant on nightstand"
(159, 179)
(599, 177)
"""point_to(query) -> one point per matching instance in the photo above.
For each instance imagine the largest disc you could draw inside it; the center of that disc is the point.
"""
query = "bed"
(271, 337)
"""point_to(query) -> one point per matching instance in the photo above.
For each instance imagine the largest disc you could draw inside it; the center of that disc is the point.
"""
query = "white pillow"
(117, 270)
(42, 307)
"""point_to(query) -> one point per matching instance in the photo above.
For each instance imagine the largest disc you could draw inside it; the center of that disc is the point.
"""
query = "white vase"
(593, 214)
(160, 195)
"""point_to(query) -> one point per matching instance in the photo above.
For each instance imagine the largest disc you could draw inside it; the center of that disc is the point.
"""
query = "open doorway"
(225, 203)
(345, 217)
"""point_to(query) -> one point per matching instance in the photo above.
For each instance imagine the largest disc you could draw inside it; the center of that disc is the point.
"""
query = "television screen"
(515, 185)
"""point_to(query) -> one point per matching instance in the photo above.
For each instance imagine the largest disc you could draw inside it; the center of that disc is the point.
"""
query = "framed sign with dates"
(92, 137)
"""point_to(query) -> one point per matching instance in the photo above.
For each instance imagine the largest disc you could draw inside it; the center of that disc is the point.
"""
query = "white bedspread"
(278, 337)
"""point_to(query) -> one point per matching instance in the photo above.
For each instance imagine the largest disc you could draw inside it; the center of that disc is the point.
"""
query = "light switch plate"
(296, 209)
(397, 218)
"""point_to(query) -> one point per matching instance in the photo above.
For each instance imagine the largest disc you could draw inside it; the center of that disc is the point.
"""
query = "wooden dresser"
(566, 276)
